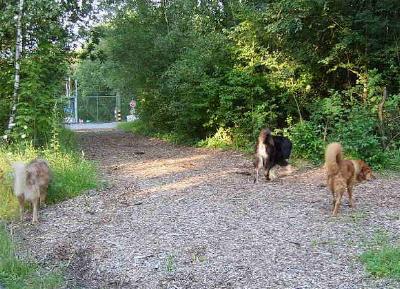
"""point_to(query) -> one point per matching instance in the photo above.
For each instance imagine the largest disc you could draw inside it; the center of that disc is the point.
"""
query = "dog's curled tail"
(265, 136)
(333, 158)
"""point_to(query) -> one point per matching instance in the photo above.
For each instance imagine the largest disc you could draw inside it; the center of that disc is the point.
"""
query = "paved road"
(91, 126)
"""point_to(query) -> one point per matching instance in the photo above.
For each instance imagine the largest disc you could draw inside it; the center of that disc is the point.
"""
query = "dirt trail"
(178, 217)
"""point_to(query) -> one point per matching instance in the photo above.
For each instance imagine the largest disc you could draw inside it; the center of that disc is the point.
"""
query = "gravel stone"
(179, 217)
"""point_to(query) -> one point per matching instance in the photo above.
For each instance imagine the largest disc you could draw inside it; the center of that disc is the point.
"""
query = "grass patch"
(381, 259)
(16, 273)
(358, 216)
(71, 176)
(138, 127)
(222, 139)
(71, 173)
(170, 264)
(383, 262)
(67, 139)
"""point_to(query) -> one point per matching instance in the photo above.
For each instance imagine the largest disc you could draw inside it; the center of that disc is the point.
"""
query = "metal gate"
(99, 108)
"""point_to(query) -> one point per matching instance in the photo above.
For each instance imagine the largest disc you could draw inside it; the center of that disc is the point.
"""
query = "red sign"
(132, 103)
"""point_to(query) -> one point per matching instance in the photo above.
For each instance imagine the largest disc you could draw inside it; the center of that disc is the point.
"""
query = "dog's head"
(265, 137)
(19, 168)
(365, 172)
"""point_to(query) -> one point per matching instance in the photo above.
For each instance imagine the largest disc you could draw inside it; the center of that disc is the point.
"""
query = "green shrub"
(307, 141)
(221, 139)
(358, 134)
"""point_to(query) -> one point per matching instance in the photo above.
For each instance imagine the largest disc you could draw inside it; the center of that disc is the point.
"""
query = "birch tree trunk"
(18, 50)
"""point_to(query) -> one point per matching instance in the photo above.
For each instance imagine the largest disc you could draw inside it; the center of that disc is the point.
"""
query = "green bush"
(307, 141)
(358, 134)
(221, 139)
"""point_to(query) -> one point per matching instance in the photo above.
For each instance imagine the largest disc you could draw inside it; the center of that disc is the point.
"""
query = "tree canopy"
(317, 68)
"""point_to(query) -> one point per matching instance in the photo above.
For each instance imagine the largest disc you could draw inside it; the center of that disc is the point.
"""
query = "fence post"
(118, 107)
(76, 102)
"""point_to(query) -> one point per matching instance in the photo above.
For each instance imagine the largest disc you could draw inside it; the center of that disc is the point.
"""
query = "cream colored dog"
(31, 182)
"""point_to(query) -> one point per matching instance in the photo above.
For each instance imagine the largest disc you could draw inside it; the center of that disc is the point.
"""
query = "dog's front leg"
(35, 204)
(21, 201)
(267, 171)
(256, 175)
(258, 164)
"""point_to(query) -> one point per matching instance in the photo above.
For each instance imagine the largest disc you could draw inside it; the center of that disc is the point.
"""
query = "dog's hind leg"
(268, 168)
(35, 204)
(257, 166)
(350, 192)
(43, 195)
(339, 186)
(332, 189)
(337, 204)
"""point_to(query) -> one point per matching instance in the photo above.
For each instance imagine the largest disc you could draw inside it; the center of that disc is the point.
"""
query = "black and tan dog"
(270, 151)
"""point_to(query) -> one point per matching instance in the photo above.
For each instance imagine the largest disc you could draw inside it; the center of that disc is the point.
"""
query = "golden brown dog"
(30, 184)
(343, 174)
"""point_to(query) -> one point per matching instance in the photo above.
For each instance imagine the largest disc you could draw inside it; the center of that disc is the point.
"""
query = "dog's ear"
(361, 176)
(270, 139)
(367, 172)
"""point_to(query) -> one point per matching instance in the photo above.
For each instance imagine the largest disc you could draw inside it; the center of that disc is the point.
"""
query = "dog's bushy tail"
(333, 158)
(265, 136)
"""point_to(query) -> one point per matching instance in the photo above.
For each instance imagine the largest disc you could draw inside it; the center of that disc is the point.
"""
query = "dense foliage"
(315, 68)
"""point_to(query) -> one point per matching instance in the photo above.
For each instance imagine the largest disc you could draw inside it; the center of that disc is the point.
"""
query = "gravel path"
(178, 217)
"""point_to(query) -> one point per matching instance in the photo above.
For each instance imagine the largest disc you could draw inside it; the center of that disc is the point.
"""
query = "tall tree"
(18, 51)
(34, 64)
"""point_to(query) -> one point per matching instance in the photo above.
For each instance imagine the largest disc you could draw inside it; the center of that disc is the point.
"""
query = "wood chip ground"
(178, 217)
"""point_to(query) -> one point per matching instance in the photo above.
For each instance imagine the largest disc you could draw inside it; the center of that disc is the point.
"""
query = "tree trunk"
(381, 108)
(18, 51)
(164, 4)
